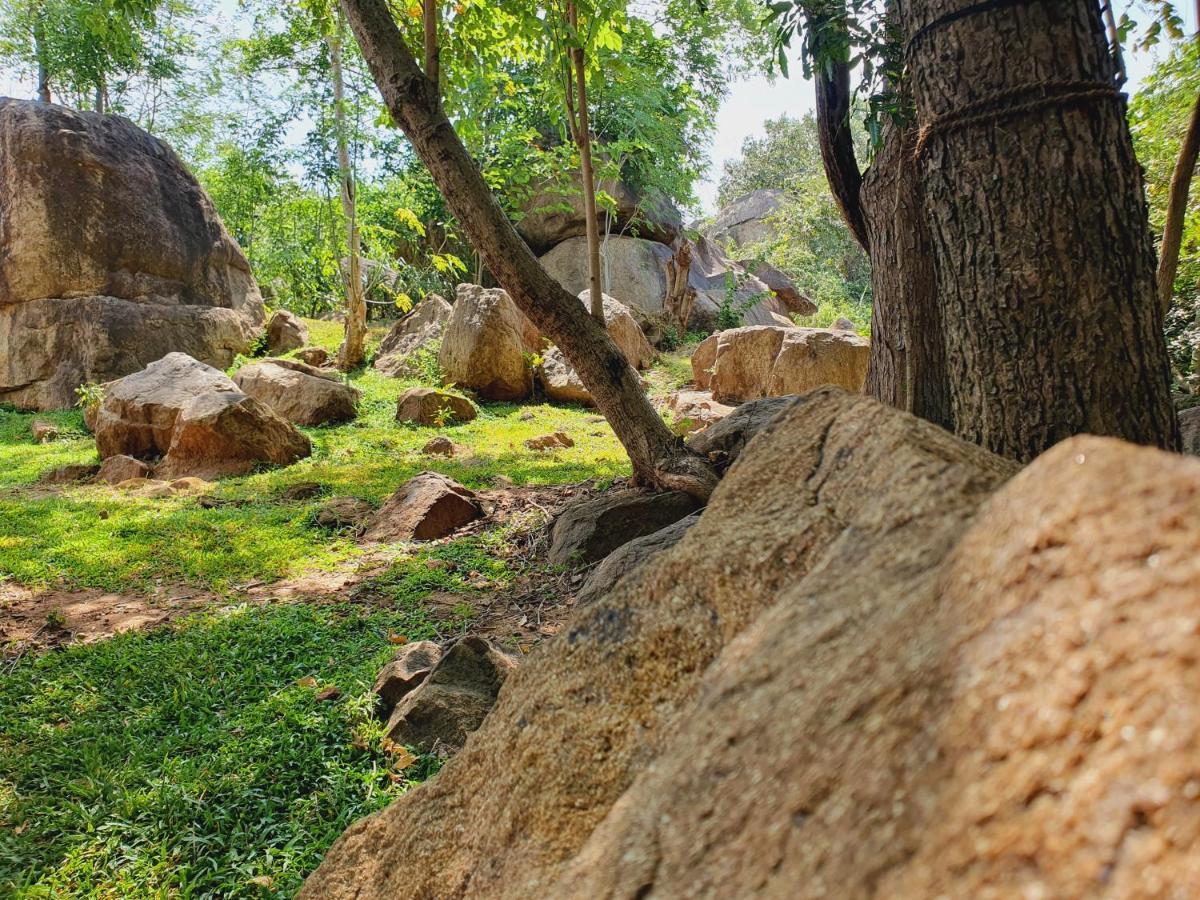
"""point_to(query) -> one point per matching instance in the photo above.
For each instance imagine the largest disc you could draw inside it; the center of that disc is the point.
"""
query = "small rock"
(590, 530)
(305, 490)
(343, 512)
(43, 432)
(426, 507)
(120, 468)
(429, 406)
(314, 356)
(407, 669)
(550, 441)
(69, 474)
(439, 446)
(285, 332)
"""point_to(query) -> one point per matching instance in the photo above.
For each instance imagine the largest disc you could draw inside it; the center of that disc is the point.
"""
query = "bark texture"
(1172, 236)
(1045, 266)
(658, 458)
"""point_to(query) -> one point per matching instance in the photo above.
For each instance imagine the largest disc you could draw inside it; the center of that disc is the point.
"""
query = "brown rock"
(343, 512)
(453, 699)
(693, 411)
(111, 256)
(422, 327)
(285, 332)
(43, 432)
(426, 507)
(147, 488)
(624, 329)
(407, 669)
(556, 441)
(318, 357)
(298, 392)
(195, 418)
(440, 446)
(69, 474)
(588, 531)
(554, 213)
(190, 485)
(485, 345)
(304, 490)
(725, 441)
(560, 382)
(119, 468)
(628, 557)
(783, 287)
(429, 406)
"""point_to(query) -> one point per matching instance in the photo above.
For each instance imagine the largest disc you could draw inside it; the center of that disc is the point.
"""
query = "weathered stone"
(119, 468)
(554, 213)
(426, 507)
(408, 668)
(343, 512)
(298, 392)
(453, 699)
(559, 380)
(440, 446)
(43, 432)
(770, 361)
(285, 332)
(146, 488)
(194, 418)
(631, 555)
(560, 440)
(420, 328)
(750, 219)
(588, 531)
(693, 411)
(485, 345)
(111, 256)
(782, 286)
(1189, 430)
(429, 406)
(69, 474)
(723, 443)
(624, 329)
(318, 357)
(843, 324)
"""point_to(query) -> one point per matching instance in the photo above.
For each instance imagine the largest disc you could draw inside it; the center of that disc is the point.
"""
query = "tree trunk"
(39, 50)
(837, 146)
(583, 137)
(658, 458)
(1045, 266)
(433, 70)
(908, 352)
(1172, 236)
(354, 346)
(681, 296)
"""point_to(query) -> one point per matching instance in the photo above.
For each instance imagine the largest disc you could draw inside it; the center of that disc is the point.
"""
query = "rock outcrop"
(422, 327)
(554, 213)
(748, 219)
(871, 669)
(486, 343)
(773, 361)
(192, 420)
(299, 392)
(111, 256)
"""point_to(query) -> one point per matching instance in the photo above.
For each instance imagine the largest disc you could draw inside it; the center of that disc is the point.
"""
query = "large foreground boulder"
(855, 676)
(299, 392)
(192, 420)
(422, 327)
(486, 345)
(743, 364)
(111, 256)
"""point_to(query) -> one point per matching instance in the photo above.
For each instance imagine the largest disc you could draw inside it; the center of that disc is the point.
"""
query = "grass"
(94, 537)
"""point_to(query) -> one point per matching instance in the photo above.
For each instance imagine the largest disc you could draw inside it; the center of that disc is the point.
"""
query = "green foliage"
(732, 311)
(196, 760)
(90, 396)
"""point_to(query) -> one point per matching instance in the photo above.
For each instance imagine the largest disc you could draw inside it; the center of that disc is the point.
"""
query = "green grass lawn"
(92, 536)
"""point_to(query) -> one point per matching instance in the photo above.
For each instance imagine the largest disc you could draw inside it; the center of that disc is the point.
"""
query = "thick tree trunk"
(1045, 266)
(908, 351)
(354, 346)
(587, 177)
(1172, 236)
(658, 458)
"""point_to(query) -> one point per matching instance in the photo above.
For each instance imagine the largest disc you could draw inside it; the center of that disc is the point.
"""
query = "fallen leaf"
(307, 682)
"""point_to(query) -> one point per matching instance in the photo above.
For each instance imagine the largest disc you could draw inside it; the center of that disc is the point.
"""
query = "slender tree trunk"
(1045, 266)
(583, 138)
(658, 458)
(433, 69)
(837, 146)
(39, 50)
(354, 346)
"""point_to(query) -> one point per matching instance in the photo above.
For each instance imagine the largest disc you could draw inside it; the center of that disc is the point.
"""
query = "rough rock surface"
(426, 406)
(629, 556)
(70, 473)
(725, 441)
(637, 276)
(407, 669)
(453, 699)
(624, 329)
(748, 219)
(421, 327)
(426, 507)
(785, 289)
(299, 392)
(485, 343)
(588, 531)
(856, 676)
(285, 332)
(343, 512)
(743, 364)
(317, 357)
(195, 418)
(1189, 430)
(117, 469)
(560, 381)
(111, 256)
(693, 411)
(554, 213)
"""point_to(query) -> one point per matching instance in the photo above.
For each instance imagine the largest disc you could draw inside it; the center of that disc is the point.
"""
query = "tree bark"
(432, 52)
(354, 345)
(583, 139)
(1044, 261)
(837, 147)
(681, 296)
(658, 459)
(1172, 236)
(39, 50)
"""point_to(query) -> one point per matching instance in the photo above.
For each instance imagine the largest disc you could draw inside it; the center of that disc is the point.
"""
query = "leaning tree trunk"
(1045, 266)
(1177, 200)
(658, 458)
